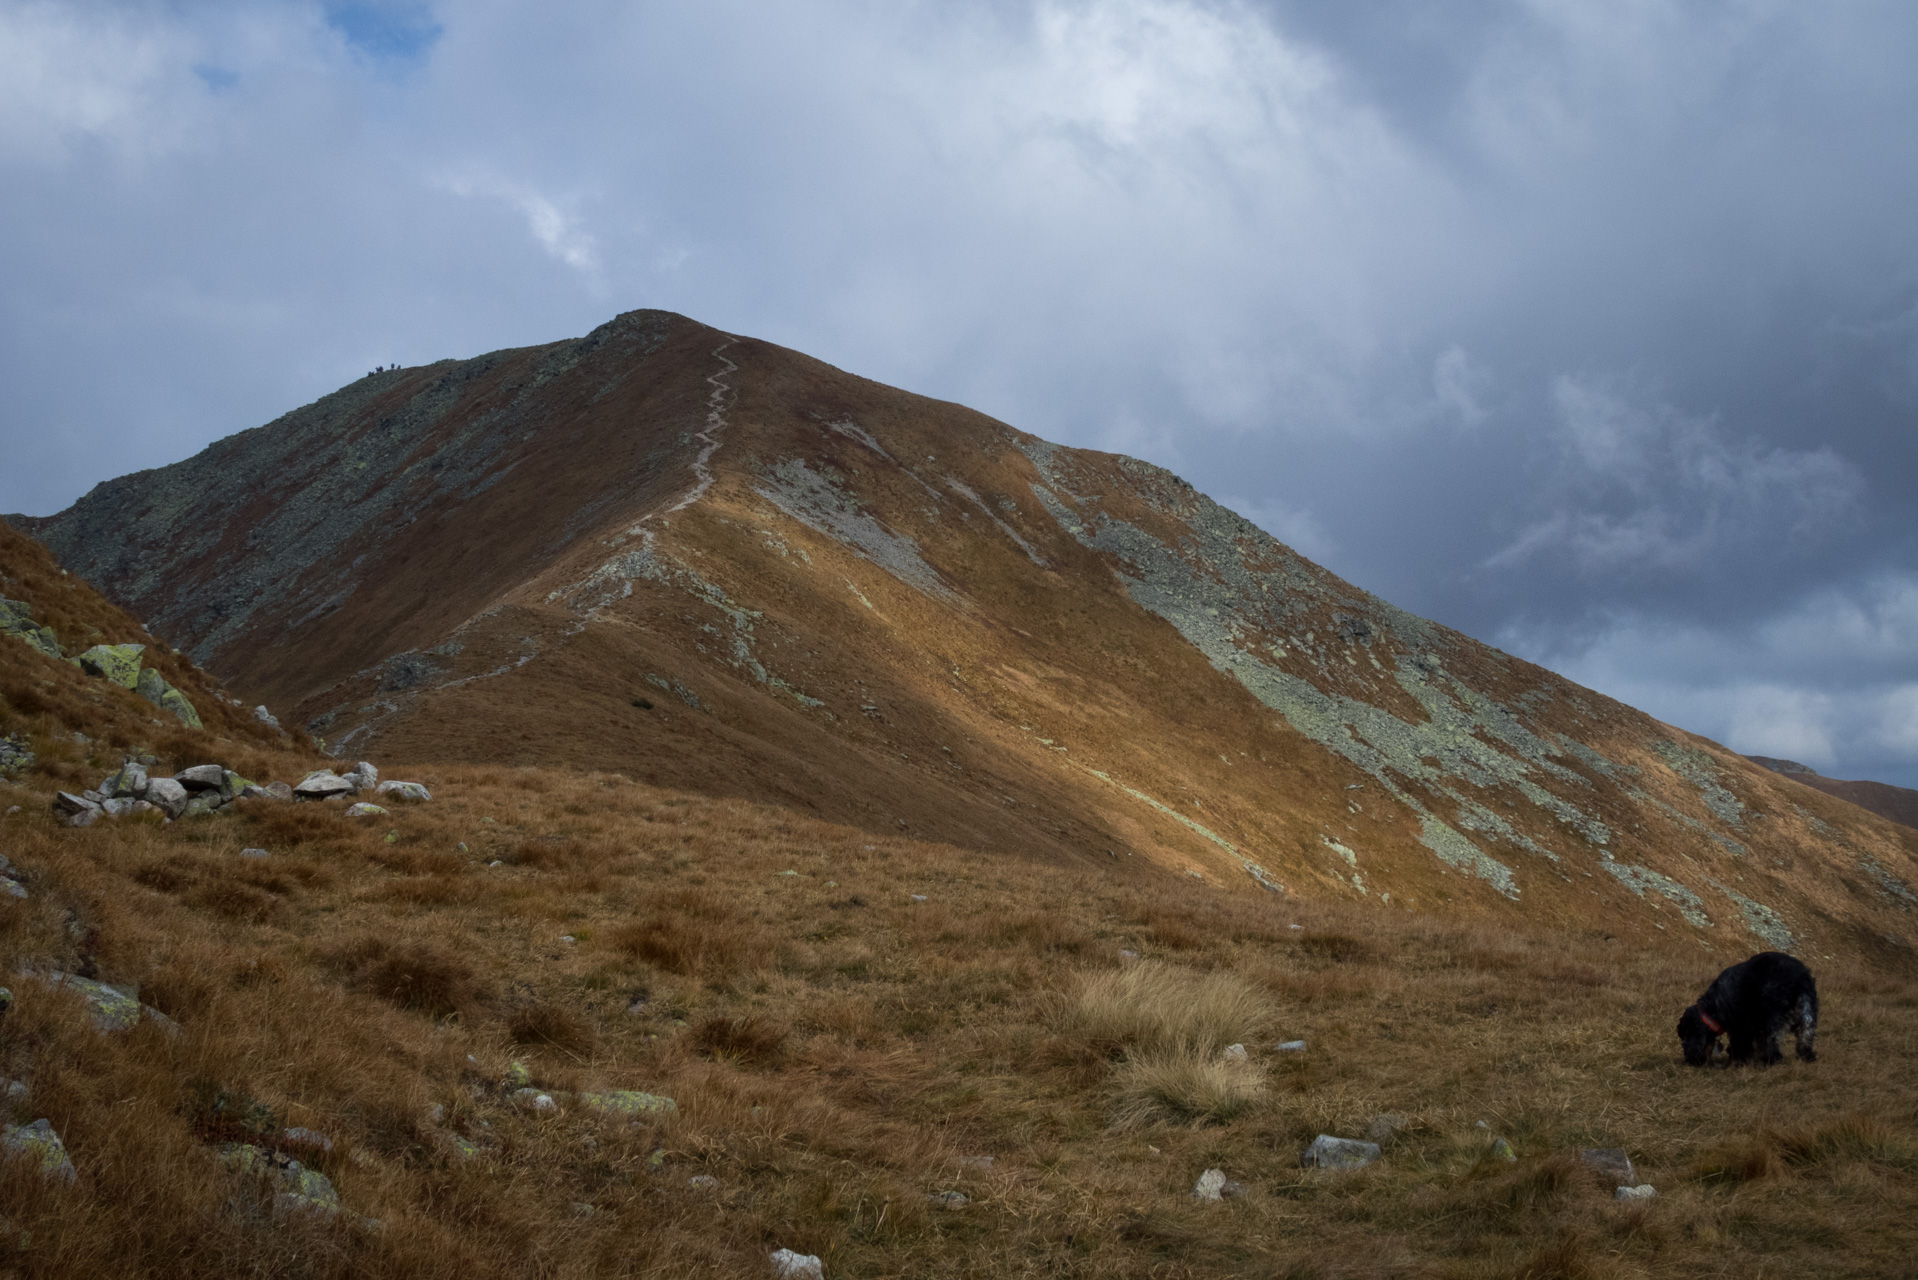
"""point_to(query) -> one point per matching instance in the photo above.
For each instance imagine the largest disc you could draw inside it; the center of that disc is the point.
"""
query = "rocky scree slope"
(711, 563)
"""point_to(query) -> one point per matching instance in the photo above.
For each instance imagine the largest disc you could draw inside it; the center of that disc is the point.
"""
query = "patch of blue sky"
(217, 79)
(397, 33)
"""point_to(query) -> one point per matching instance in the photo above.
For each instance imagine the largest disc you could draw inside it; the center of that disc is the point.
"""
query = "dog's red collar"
(1711, 1024)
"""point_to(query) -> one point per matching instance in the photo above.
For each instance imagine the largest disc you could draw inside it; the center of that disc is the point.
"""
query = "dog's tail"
(1805, 1028)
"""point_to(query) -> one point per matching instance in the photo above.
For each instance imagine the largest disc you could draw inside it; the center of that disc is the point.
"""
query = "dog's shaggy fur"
(1751, 1004)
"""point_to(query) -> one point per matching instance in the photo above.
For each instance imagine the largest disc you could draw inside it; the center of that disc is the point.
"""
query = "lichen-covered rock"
(38, 1142)
(531, 1099)
(364, 810)
(16, 754)
(201, 802)
(167, 796)
(1640, 1193)
(1328, 1152)
(517, 1076)
(405, 791)
(232, 785)
(153, 687)
(266, 717)
(1209, 1187)
(119, 663)
(363, 776)
(16, 621)
(200, 777)
(628, 1102)
(321, 784)
(295, 1187)
(111, 1008)
(130, 781)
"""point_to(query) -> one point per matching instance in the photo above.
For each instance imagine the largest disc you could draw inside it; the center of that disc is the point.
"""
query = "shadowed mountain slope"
(714, 564)
(1900, 804)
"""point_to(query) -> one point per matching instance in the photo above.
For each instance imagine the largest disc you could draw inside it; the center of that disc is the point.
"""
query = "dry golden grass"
(839, 1052)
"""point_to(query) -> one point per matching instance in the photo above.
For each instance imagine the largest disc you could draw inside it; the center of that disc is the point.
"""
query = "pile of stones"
(208, 788)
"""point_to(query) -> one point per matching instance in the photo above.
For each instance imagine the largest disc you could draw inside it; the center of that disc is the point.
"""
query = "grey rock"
(405, 791)
(254, 791)
(1328, 1152)
(111, 1008)
(531, 1099)
(1210, 1187)
(1611, 1164)
(266, 717)
(949, 1199)
(232, 785)
(38, 1142)
(363, 776)
(14, 1091)
(201, 777)
(788, 1265)
(364, 809)
(130, 780)
(1643, 1191)
(280, 790)
(1234, 1053)
(628, 1102)
(300, 1136)
(295, 1188)
(167, 796)
(13, 888)
(1501, 1150)
(201, 802)
(1292, 1046)
(84, 819)
(321, 784)
(1232, 1190)
(254, 853)
(1387, 1126)
(976, 1162)
(118, 807)
(703, 1182)
(67, 803)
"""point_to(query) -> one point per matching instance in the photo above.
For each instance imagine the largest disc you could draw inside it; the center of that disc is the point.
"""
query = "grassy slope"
(837, 1049)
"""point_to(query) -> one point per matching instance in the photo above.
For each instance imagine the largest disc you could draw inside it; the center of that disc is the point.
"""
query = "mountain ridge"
(900, 613)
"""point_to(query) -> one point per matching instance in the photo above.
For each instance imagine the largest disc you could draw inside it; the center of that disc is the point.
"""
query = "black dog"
(1751, 1004)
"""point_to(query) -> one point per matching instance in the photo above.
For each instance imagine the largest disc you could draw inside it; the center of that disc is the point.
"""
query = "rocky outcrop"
(116, 663)
(208, 788)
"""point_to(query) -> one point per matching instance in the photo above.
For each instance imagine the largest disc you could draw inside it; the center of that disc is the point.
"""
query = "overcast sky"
(1589, 329)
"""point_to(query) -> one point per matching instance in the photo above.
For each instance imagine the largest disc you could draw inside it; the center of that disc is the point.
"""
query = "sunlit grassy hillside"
(853, 1026)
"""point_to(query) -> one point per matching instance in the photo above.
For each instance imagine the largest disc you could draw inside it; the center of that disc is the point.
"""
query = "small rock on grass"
(1210, 1187)
(1501, 1150)
(409, 791)
(1611, 1164)
(703, 1182)
(1328, 1152)
(1234, 1053)
(1642, 1192)
(954, 1200)
(788, 1265)
(1292, 1046)
(38, 1142)
(1387, 1126)
(254, 853)
(365, 809)
(628, 1102)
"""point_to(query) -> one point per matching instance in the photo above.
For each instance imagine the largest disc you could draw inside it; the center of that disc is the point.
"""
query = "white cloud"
(559, 233)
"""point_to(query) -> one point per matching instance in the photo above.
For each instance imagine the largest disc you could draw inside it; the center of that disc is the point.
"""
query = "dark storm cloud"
(1591, 330)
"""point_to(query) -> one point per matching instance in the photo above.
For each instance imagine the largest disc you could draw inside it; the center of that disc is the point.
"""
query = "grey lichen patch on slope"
(1698, 768)
(614, 580)
(1734, 847)
(959, 487)
(1760, 920)
(1894, 889)
(1233, 583)
(1638, 879)
(817, 502)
